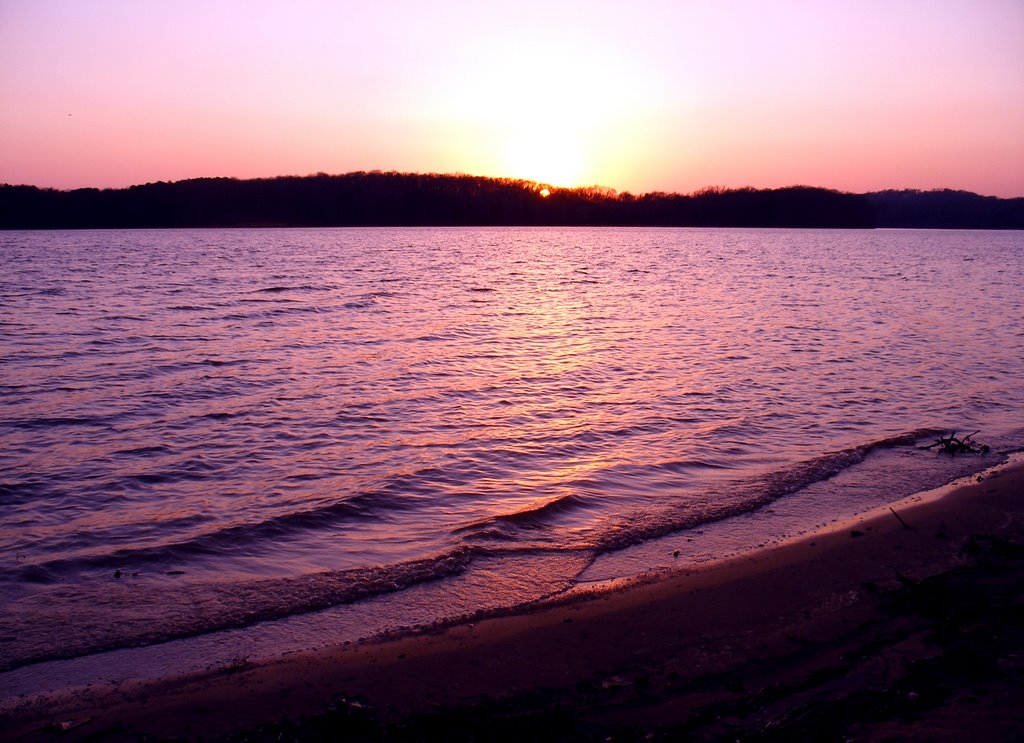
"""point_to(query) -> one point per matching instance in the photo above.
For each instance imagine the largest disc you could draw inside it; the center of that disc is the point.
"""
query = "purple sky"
(641, 96)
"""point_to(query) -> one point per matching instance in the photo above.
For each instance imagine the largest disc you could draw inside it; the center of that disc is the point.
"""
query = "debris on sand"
(952, 445)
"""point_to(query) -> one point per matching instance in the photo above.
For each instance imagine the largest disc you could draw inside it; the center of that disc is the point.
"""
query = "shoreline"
(660, 653)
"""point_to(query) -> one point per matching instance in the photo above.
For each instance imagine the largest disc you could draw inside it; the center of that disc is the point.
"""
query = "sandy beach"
(880, 628)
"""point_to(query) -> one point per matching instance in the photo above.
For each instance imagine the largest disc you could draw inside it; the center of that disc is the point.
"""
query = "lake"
(332, 433)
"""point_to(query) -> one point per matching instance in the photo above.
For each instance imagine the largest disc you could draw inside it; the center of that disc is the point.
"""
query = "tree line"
(399, 199)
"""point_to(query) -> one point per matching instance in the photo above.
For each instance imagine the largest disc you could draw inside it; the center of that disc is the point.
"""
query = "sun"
(545, 155)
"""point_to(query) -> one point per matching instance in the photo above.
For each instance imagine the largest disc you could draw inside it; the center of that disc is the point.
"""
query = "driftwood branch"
(952, 445)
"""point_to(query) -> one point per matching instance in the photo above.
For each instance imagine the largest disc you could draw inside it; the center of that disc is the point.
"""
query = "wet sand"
(867, 631)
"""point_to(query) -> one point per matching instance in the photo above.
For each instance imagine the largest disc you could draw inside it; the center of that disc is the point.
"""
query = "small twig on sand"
(899, 518)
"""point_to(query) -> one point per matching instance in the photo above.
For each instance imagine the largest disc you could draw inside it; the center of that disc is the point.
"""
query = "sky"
(649, 95)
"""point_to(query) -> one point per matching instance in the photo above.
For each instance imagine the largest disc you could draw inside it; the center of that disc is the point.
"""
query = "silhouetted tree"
(393, 199)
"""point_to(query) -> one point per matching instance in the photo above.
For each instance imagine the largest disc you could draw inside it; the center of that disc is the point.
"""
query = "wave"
(109, 617)
(745, 496)
(33, 423)
(397, 493)
(405, 491)
(531, 517)
(222, 542)
(277, 289)
(295, 307)
(159, 610)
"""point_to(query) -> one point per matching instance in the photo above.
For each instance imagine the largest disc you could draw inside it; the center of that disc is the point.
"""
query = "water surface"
(205, 429)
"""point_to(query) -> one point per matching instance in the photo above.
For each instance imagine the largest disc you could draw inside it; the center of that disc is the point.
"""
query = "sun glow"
(533, 117)
(545, 156)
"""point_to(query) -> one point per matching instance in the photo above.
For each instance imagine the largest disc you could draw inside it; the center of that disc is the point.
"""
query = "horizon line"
(538, 185)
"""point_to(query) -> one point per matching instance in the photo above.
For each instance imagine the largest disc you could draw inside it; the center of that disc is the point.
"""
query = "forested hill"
(389, 199)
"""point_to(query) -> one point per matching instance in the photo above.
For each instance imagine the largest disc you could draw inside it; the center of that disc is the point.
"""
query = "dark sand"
(870, 631)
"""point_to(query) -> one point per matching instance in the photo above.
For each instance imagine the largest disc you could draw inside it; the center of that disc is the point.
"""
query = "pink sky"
(641, 96)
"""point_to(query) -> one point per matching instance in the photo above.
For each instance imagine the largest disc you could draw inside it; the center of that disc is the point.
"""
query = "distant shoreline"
(376, 199)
